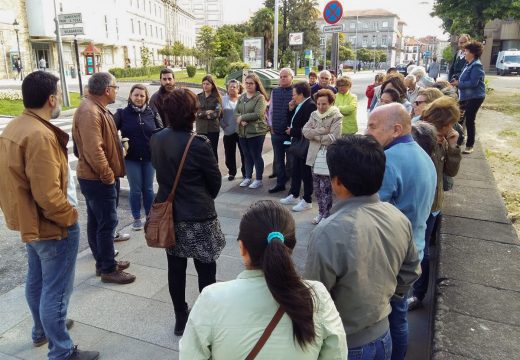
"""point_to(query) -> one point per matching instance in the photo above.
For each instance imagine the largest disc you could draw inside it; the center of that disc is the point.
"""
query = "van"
(508, 62)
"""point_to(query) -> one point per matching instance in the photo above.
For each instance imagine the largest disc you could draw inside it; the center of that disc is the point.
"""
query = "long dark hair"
(214, 89)
(274, 259)
(258, 85)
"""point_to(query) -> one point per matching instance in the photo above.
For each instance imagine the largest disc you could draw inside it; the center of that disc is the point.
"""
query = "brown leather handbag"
(158, 228)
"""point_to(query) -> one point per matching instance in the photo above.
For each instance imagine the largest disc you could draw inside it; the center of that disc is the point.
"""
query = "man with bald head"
(409, 184)
(324, 78)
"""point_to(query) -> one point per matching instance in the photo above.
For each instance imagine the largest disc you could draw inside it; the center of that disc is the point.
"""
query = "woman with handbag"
(196, 226)
(323, 128)
(210, 111)
(137, 122)
(250, 117)
(234, 319)
(299, 147)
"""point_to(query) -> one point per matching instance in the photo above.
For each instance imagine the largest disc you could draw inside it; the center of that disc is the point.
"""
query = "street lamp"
(16, 29)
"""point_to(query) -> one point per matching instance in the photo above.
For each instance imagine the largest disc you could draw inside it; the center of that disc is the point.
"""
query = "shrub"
(236, 66)
(220, 67)
(192, 70)
(134, 72)
(10, 94)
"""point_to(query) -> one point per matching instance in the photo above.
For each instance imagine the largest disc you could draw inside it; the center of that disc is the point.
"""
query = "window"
(150, 7)
(106, 26)
(352, 40)
(384, 24)
(132, 25)
(117, 29)
(139, 26)
(156, 32)
(145, 29)
(365, 41)
(374, 41)
(151, 31)
(365, 25)
(384, 40)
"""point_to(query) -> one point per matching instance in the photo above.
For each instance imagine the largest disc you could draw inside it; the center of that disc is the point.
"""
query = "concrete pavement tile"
(13, 308)
(482, 214)
(85, 267)
(192, 292)
(498, 264)
(465, 336)
(7, 357)
(485, 230)
(443, 355)
(233, 211)
(149, 281)
(147, 256)
(475, 169)
(17, 342)
(229, 225)
(228, 267)
(136, 241)
(232, 248)
(129, 315)
(480, 301)
(474, 184)
(465, 196)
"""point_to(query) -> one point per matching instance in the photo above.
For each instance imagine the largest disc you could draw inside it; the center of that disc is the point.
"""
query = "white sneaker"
(256, 184)
(302, 206)
(317, 219)
(290, 200)
(245, 182)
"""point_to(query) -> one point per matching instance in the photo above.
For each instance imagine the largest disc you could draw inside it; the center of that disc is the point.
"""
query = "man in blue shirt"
(409, 183)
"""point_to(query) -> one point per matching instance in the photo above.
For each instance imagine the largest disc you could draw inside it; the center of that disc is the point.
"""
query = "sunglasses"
(417, 103)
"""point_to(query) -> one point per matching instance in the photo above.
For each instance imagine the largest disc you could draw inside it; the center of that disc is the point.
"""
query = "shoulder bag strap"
(178, 176)
(267, 333)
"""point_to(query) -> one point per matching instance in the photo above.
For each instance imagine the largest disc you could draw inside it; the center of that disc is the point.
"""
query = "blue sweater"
(409, 184)
(471, 82)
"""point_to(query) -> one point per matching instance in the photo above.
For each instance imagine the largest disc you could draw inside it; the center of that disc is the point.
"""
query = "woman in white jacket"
(229, 318)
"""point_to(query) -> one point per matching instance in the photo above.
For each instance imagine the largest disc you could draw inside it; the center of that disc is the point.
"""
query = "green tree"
(447, 53)
(145, 56)
(471, 16)
(207, 45)
(262, 24)
(364, 55)
(230, 39)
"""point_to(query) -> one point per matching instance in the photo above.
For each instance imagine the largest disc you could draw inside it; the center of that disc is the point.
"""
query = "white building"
(206, 12)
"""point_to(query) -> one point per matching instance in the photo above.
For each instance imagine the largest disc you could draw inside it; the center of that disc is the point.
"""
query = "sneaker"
(120, 265)
(121, 237)
(137, 225)
(302, 206)
(43, 340)
(468, 150)
(245, 182)
(317, 219)
(118, 277)
(290, 200)
(83, 355)
(413, 303)
(256, 184)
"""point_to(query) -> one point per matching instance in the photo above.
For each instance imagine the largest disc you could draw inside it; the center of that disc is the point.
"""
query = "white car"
(508, 62)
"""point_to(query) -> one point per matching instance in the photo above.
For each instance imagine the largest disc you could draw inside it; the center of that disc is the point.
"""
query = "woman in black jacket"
(196, 224)
(137, 122)
(299, 115)
(210, 112)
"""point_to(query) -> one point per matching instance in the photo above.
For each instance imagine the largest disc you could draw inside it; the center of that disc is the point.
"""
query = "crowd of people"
(379, 196)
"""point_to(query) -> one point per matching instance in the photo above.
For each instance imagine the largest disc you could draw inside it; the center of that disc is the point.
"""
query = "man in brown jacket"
(33, 197)
(100, 163)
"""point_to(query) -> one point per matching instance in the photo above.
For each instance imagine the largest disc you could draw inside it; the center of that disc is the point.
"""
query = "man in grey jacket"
(363, 253)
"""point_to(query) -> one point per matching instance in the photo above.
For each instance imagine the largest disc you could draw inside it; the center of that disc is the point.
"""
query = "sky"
(415, 13)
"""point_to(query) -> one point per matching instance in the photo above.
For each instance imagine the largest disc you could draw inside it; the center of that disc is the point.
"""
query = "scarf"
(326, 113)
(138, 109)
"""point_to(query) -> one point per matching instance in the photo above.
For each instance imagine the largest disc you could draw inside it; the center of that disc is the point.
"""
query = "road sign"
(296, 38)
(78, 30)
(333, 12)
(74, 18)
(427, 54)
(323, 40)
(333, 28)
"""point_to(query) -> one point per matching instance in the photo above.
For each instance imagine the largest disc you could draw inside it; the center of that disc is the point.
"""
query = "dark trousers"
(470, 113)
(177, 278)
(420, 287)
(230, 150)
(279, 150)
(213, 138)
(252, 148)
(101, 202)
(301, 172)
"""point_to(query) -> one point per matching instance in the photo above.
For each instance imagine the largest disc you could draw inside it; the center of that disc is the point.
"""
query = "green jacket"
(229, 317)
(208, 123)
(447, 161)
(347, 105)
(252, 111)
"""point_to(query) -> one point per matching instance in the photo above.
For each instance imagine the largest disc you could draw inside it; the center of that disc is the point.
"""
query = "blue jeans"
(399, 328)
(379, 349)
(140, 176)
(50, 278)
(279, 157)
(420, 287)
(252, 148)
(101, 222)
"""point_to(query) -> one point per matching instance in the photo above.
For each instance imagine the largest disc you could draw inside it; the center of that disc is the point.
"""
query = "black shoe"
(181, 317)
(276, 189)
(231, 177)
(83, 355)
(272, 176)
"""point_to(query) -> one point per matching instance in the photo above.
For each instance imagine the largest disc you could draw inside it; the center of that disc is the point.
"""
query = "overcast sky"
(416, 14)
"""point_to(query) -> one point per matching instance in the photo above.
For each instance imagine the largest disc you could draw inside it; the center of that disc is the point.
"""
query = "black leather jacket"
(200, 179)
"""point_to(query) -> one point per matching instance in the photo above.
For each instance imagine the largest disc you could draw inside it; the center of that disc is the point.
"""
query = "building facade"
(206, 12)
(500, 35)
(374, 29)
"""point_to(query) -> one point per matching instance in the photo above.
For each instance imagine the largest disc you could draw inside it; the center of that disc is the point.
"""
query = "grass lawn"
(181, 76)
(15, 107)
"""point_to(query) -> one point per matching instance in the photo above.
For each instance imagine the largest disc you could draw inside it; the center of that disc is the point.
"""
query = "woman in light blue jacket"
(229, 318)
(472, 90)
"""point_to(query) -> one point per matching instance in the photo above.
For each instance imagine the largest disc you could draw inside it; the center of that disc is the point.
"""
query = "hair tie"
(274, 235)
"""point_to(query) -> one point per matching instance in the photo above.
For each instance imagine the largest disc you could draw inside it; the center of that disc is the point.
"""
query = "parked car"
(401, 68)
(508, 62)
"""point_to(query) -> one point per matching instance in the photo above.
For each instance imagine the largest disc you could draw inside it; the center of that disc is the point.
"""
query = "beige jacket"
(321, 132)
(99, 148)
(33, 164)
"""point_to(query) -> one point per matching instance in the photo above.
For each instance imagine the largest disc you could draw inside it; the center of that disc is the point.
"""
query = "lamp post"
(20, 64)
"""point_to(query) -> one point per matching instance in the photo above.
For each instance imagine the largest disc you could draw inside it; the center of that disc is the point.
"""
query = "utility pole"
(79, 66)
(64, 88)
(275, 50)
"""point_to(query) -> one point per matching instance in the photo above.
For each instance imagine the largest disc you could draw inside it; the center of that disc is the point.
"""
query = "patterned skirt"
(203, 241)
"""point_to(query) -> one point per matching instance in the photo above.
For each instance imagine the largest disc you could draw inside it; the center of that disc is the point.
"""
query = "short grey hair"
(99, 82)
(411, 78)
(289, 70)
(326, 73)
(425, 134)
(419, 72)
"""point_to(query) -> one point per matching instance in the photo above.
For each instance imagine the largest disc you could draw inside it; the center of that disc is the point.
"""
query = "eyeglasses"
(249, 83)
(114, 86)
(417, 103)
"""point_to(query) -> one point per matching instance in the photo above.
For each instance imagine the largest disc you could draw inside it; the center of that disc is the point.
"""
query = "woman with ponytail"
(229, 318)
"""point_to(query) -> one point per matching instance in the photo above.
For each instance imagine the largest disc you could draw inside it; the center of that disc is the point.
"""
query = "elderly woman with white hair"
(423, 80)
(412, 89)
